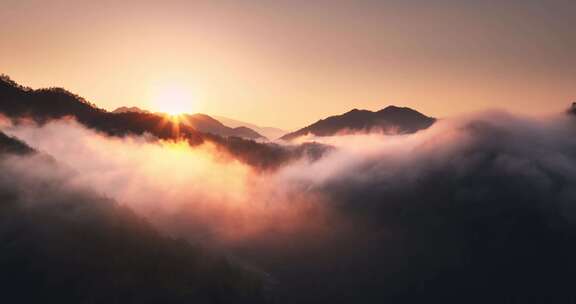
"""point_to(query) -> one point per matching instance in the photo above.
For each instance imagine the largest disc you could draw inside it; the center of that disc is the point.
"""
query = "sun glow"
(174, 100)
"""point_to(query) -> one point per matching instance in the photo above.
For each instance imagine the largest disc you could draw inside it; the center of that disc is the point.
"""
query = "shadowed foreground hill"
(43, 105)
(70, 245)
(392, 119)
(485, 215)
(11, 145)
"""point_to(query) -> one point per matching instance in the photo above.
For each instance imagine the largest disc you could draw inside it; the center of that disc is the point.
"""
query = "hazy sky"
(289, 63)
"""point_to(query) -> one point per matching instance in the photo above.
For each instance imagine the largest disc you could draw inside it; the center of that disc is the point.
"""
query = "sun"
(174, 100)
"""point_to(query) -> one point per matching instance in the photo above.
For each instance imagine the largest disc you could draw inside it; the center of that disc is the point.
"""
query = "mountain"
(391, 119)
(207, 124)
(11, 145)
(43, 105)
(204, 123)
(269, 132)
(129, 110)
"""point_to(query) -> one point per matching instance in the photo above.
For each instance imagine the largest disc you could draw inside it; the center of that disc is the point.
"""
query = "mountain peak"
(401, 119)
(396, 109)
(393, 107)
(356, 112)
(129, 110)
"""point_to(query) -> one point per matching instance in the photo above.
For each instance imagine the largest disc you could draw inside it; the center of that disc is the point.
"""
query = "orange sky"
(288, 63)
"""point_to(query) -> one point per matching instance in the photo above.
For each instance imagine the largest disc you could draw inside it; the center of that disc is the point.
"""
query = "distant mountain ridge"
(130, 110)
(269, 132)
(392, 119)
(203, 123)
(208, 124)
